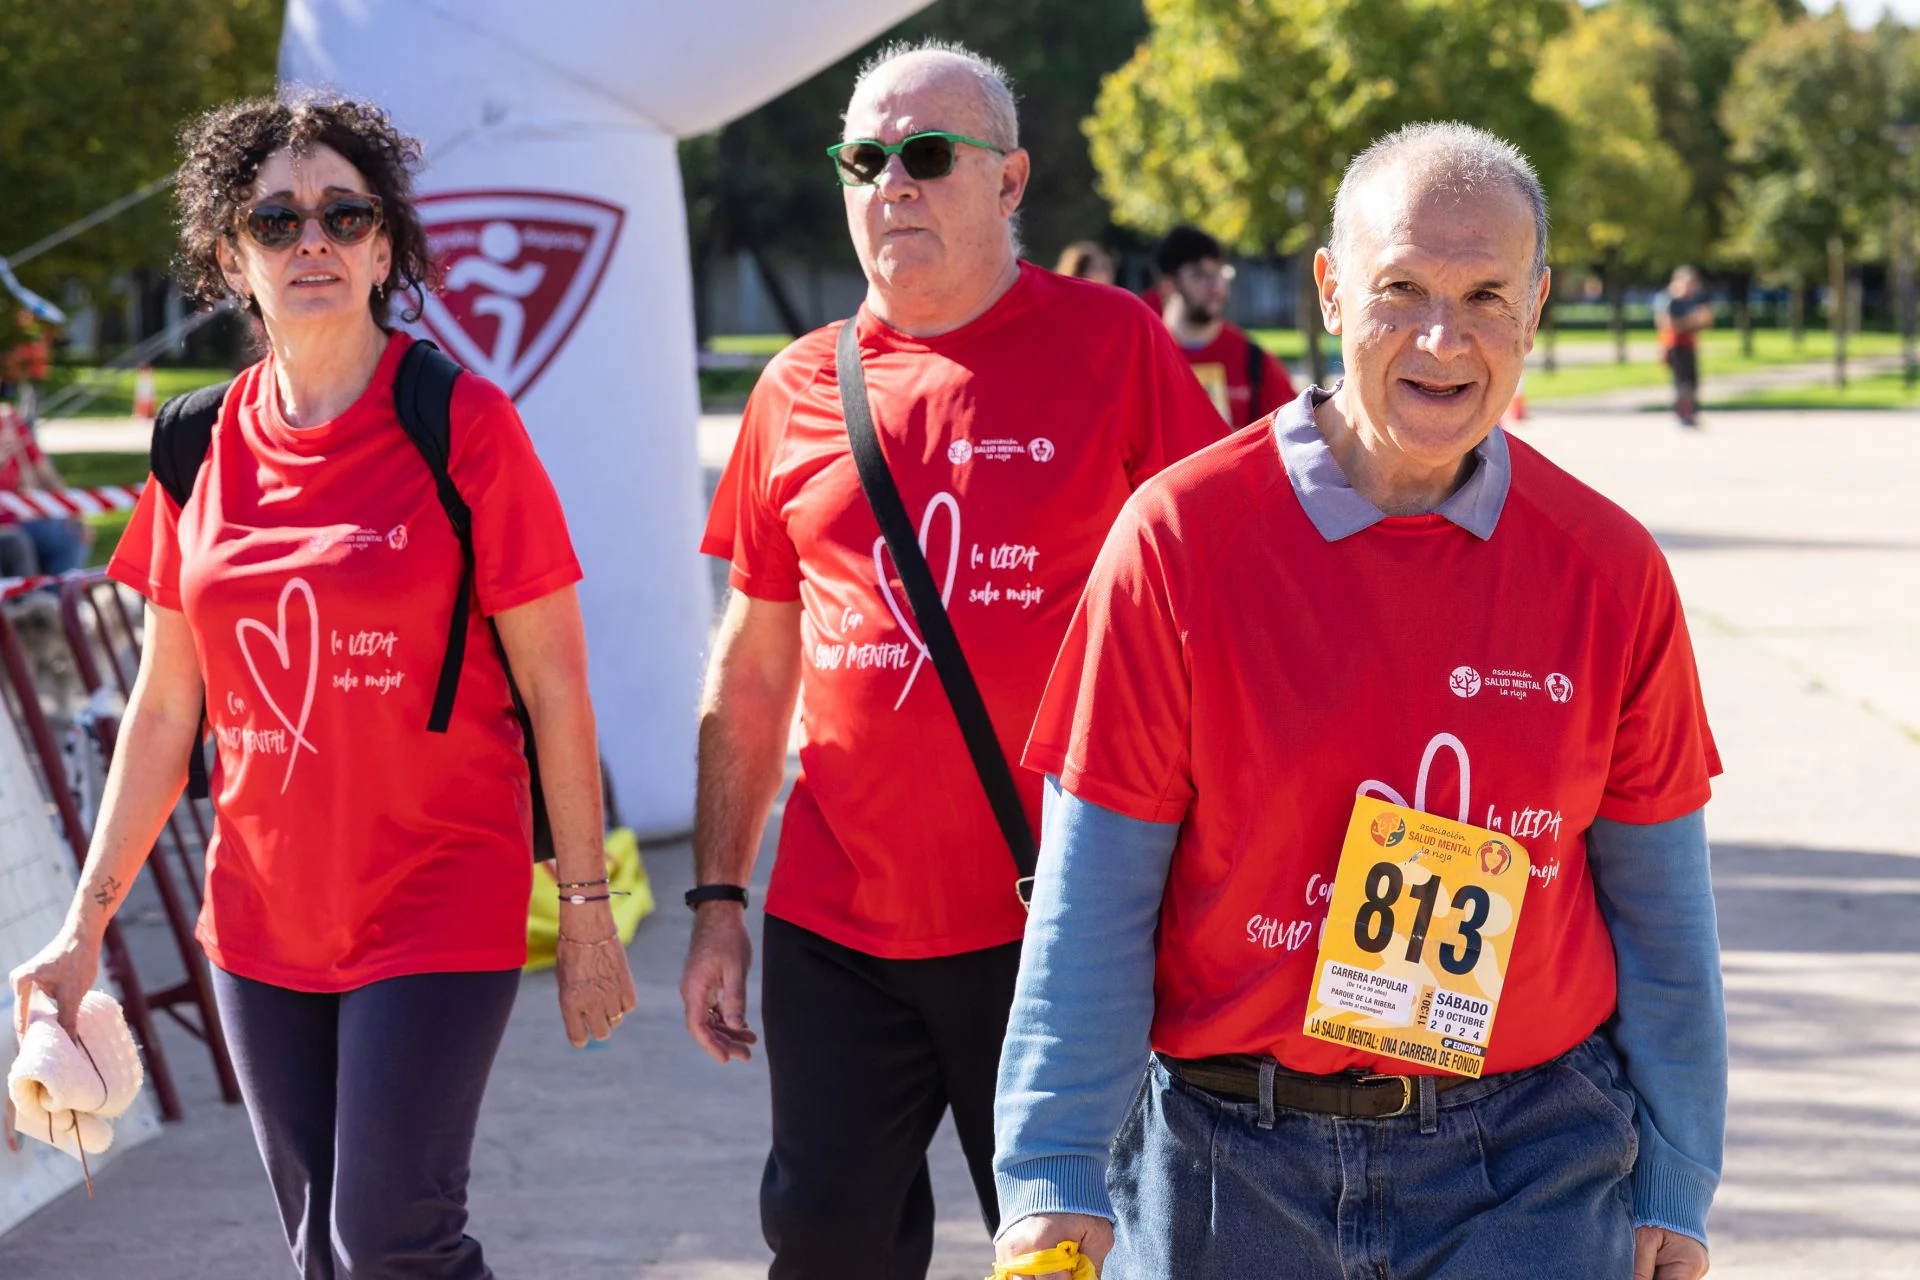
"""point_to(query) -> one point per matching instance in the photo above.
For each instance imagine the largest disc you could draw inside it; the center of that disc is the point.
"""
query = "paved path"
(1796, 541)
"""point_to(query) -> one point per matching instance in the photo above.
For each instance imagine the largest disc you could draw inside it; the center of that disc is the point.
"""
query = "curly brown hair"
(224, 150)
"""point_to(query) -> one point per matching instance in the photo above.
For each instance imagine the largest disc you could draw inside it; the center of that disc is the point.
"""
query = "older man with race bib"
(1377, 761)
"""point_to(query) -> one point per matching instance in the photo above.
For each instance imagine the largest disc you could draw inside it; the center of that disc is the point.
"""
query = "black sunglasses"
(275, 224)
(860, 163)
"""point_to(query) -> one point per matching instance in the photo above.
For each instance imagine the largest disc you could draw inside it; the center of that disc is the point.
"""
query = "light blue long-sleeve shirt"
(1083, 1008)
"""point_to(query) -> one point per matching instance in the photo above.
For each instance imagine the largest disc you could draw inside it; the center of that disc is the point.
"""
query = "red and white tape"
(44, 504)
(12, 587)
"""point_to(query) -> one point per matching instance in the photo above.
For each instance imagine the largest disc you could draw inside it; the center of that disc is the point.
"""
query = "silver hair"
(1442, 155)
(1000, 119)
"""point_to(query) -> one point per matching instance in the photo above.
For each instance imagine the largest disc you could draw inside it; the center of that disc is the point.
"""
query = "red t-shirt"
(317, 570)
(1232, 670)
(1221, 366)
(1014, 441)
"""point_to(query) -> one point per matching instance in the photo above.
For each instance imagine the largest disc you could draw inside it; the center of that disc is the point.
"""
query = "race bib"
(1418, 936)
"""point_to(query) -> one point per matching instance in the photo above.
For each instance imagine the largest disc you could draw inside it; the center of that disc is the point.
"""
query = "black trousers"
(866, 1055)
(1685, 364)
(364, 1105)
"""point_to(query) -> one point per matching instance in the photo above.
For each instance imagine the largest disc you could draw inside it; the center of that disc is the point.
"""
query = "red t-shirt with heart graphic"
(1014, 441)
(317, 571)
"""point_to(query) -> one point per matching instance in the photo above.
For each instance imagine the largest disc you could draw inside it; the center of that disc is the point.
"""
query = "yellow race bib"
(1418, 936)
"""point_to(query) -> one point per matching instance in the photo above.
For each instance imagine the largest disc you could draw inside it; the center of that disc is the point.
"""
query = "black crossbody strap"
(936, 629)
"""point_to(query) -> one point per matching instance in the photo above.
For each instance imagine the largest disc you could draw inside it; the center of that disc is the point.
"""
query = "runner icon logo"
(522, 268)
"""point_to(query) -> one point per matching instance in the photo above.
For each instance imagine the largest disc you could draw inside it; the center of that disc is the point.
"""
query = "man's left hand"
(1660, 1254)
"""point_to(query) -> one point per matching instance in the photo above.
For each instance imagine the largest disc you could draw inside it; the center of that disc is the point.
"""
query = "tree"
(1625, 196)
(1242, 115)
(91, 97)
(1806, 114)
(762, 185)
(1711, 35)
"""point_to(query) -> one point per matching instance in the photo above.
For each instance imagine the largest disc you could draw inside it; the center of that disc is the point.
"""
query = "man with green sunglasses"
(1016, 411)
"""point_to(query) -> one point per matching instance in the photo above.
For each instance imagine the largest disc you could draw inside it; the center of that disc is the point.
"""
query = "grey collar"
(1336, 507)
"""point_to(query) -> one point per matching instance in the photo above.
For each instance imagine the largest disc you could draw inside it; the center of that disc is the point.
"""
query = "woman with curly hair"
(367, 882)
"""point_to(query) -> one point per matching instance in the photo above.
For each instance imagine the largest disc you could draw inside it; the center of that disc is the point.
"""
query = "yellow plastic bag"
(1065, 1256)
(625, 871)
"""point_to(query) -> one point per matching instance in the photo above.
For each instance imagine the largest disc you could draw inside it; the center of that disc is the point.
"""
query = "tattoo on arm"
(107, 892)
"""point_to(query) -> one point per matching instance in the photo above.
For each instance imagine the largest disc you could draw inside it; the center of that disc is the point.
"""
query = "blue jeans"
(1520, 1175)
(57, 543)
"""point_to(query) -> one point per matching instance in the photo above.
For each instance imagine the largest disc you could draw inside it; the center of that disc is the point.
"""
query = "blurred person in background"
(1243, 379)
(1680, 312)
(1087, 260)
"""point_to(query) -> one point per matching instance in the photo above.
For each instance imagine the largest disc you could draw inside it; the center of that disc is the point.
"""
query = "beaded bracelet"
(583, 884)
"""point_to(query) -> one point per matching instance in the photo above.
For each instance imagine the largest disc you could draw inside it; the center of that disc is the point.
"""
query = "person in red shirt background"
(1017, 410)
(1244, 380)
(367, 880)
(51, 545)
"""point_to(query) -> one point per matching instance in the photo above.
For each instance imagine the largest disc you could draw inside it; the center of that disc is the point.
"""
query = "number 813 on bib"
(1418, 938)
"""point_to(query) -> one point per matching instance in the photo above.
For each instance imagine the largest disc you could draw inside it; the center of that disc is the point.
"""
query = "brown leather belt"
(1236, 1078)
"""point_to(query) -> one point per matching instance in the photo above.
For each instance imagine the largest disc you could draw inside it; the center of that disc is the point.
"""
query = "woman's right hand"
(63, 971)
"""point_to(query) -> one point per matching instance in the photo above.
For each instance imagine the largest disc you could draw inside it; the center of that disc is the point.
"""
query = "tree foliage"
(92, 93)
(1626, 192)
(1241, 115)
(1710, 36)
(1806, 117)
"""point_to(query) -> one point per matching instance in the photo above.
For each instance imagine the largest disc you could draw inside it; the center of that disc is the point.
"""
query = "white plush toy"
(66, 1091)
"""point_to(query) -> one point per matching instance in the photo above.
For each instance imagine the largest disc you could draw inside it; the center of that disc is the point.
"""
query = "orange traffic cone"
(143, 396)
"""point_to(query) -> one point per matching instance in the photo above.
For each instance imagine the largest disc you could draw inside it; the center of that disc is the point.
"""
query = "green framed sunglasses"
(860, 162)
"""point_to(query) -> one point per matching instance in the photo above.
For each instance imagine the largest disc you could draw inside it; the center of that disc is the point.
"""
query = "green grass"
(107, 529)
(1290, 345)
(87, 470)
(1719, 357)
(1872, 391)
(751, 344)
(115, 393)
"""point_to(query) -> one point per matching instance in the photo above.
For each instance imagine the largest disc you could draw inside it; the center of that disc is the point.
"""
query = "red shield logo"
(521, 268)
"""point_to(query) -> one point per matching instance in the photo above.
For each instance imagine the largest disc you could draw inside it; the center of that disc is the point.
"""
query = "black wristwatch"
(716, 893)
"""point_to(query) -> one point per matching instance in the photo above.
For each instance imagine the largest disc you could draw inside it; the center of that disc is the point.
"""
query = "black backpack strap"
(1256, 375)
(182, 438)
(182, 435)
(423, 399)
(936, 629)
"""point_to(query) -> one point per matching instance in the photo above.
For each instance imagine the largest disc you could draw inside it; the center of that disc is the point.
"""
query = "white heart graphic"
(1375, 787)
(278, 639)
(939, 501)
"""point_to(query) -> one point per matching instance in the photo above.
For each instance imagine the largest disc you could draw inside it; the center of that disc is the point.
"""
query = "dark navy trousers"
(364, 1105)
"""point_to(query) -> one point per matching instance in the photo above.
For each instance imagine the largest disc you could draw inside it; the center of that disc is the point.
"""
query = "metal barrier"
(139, 1005)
